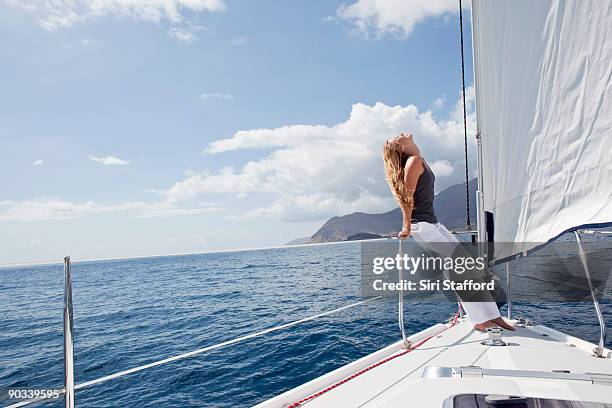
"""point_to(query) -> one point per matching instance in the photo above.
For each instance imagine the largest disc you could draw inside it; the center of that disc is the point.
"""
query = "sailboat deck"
(539, 357)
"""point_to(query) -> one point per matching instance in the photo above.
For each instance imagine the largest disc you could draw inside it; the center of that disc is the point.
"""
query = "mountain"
(449, 206)
(340, 228)
(363, 235)
(299, 241)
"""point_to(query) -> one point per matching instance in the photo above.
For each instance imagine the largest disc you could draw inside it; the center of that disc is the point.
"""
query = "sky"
(140, 127)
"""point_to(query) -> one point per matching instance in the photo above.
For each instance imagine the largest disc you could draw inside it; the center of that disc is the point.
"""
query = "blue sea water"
(132, 312)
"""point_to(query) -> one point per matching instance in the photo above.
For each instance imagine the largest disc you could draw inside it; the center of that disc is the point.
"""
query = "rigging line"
(203, 350)
(467, 181)
(405, 351)
(605, 292)
(442, 350)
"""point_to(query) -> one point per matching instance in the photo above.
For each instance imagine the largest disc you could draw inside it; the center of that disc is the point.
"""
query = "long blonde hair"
(394, 160)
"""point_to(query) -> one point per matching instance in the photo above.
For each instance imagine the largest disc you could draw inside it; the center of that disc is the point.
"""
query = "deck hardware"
(494, 339)
(523, 322)
(460, 309)
(437, 372)
(453, 317)
(476, 371)
(601, 379)
(505, 401)
(599, 350)
(469, 372)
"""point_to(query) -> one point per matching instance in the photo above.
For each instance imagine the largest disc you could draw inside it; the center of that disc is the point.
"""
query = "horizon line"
(128, 257)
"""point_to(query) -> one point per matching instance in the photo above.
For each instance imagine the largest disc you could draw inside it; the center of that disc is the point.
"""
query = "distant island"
(449, 206)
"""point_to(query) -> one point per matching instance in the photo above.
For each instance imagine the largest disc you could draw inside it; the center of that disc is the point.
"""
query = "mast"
(480, 213)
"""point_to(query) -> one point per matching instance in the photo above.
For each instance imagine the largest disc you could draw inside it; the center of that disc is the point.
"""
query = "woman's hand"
(405, 233)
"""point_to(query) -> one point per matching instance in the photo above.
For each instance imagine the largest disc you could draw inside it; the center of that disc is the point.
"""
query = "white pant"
(437, 238)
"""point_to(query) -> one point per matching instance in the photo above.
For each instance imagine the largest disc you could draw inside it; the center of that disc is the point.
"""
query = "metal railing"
(69, 385)
(599, 350)
(400, 309)
(68, 338)
(400, 313)
(508, 291)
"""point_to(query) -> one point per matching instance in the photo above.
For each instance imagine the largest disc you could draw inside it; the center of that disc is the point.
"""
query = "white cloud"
(56, 209)
(311, 207)
(309, 172)
(56, 14)
(395, 17)
(182, 34)
(442, 168)
(185, 33)
(216, 95)
(457, 112)
(38, 163)
(35, 241)
(83, 42)
(440, 101)
(316, 171)
(110, 161)
(238, 41)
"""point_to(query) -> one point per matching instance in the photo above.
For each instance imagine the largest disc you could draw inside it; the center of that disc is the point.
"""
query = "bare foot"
(482, 327)
(502, 323)
(497, 322)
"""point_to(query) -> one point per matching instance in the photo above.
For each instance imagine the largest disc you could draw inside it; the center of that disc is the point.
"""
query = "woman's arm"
(412, 172)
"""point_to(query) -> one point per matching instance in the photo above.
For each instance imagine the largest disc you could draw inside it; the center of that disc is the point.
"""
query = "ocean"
(135, 311)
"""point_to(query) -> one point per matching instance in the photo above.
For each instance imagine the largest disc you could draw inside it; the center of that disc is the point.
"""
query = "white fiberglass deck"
(531, 351)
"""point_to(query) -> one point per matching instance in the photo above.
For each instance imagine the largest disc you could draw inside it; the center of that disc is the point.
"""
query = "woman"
(412, 183)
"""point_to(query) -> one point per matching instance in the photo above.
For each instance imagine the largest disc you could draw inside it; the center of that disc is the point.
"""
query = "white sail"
(543, 77)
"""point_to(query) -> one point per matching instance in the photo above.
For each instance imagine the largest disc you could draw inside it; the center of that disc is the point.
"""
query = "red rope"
(368, 368)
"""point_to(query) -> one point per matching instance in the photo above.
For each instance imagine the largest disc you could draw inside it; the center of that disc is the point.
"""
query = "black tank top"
(423, 209)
